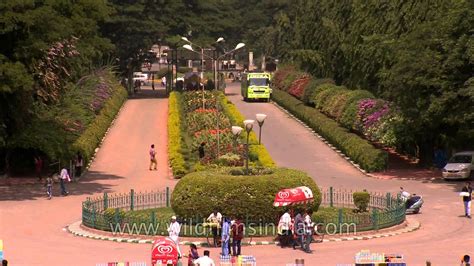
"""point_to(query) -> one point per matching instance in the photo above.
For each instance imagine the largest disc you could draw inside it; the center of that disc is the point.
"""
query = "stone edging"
(77, 230)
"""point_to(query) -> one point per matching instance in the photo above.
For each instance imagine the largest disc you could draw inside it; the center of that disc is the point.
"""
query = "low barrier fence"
(138, 213)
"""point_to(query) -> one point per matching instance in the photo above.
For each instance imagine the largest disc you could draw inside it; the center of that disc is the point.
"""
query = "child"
(49, 187)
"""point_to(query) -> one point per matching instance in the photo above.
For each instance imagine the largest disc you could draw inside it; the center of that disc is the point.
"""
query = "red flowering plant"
(297, 87)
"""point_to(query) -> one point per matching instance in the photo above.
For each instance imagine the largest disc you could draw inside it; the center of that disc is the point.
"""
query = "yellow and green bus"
(256, 86)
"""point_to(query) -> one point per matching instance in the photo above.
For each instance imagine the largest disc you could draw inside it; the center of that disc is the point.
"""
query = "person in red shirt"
(237, 235)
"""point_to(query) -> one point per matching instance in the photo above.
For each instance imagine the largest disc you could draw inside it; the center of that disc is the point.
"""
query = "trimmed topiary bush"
(249, 197)
(361, 200)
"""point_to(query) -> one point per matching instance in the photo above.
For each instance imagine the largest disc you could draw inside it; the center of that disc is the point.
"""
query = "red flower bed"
(298, 86)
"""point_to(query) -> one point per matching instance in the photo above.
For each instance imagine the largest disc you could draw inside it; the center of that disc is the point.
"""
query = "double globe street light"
(190, 48)
(248, 124)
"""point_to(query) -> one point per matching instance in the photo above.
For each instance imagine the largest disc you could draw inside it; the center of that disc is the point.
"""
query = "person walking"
(467, 189)
(63, 178)
(298, 231)
(152, 157)
(173, 231)
(49, 187)
(308, 231)
(237, 236)
(79, 162)
(225, 237)
(38, 167)
(205, 260)
(466, 260)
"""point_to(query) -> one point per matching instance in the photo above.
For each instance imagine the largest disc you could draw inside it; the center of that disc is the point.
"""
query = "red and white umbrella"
(164, 251)
(290, 196)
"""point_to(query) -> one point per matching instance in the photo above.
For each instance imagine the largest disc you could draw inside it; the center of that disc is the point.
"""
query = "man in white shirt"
(173, 231)
(63, 178)
(284, 224)
(205, 260)
(308, 231)
(215, 218)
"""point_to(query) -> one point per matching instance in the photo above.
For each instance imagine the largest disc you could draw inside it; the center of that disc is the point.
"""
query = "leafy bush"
(310, 89)
(251, 197)
(176, 158)
(351, 107)
(91, 137)
(360, 150)
(324, 94)
(298, 86)
(280, 76)
(361, 200)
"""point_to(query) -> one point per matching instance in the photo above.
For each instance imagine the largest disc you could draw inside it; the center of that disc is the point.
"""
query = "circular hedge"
(248, 197)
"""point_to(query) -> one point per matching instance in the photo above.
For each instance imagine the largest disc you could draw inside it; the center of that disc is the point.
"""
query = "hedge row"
(237, 118)
(360, 150)
(176, 158)
(92, 136)
(248, 197)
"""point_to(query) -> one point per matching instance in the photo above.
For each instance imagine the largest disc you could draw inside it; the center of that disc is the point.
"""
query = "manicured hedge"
(358, 149)
(92, 136)
(176, 159)
(236, 118)
(250, 197)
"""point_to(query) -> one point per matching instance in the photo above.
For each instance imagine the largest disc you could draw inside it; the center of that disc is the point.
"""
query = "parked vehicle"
(413, 202)
(256, 86)
(460, 166)
(142, 77)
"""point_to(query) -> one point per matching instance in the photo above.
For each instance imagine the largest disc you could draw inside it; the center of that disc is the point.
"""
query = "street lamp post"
(248, 127)
(237, 47)
(260, 120)
(236, 132)
(189, 47)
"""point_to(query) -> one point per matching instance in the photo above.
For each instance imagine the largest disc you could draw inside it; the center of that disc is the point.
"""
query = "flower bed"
(210, 125)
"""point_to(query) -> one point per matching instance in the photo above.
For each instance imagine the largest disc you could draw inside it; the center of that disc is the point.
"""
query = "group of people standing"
(296, 231)
(227, 228)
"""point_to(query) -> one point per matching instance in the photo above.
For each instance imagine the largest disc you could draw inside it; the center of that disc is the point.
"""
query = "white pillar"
(250, 61)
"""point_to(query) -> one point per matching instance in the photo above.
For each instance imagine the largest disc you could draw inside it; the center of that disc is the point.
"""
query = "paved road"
(32, 227)
(444, 236)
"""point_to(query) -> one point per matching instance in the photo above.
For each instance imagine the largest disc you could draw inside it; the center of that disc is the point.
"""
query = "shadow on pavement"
(88, 185)
(147, 93)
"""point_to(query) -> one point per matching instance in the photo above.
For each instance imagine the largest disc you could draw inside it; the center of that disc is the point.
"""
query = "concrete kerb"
(77, 230)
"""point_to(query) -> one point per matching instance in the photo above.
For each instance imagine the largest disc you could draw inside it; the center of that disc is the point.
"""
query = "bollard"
(299, 262)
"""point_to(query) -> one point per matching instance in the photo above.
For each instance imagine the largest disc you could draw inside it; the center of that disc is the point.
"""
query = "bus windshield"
(258, 82)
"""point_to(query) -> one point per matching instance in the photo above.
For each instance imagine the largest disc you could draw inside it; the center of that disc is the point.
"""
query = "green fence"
(112, 213)
(385, 210)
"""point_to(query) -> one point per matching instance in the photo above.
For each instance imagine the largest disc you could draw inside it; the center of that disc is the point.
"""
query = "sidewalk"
(77, 229)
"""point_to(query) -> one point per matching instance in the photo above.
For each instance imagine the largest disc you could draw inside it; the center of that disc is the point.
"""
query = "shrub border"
(109, 113)
(175, 157)
(356, 164)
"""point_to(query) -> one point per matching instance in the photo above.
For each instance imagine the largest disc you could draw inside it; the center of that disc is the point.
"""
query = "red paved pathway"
(31, 226)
